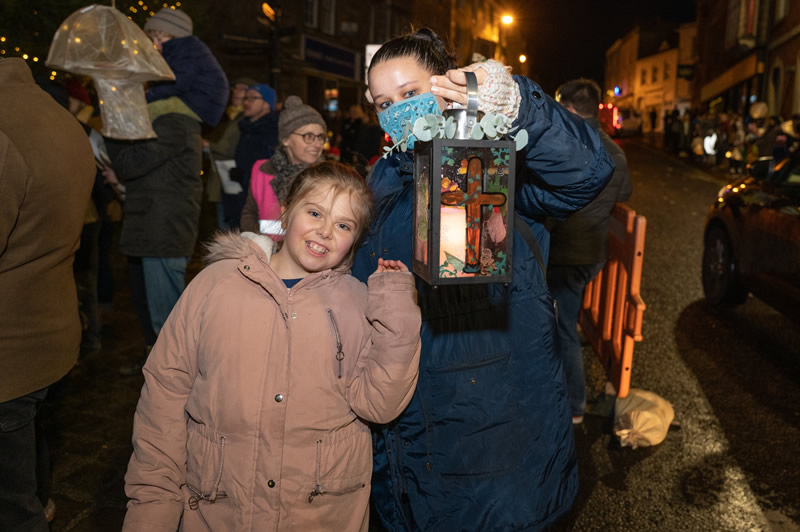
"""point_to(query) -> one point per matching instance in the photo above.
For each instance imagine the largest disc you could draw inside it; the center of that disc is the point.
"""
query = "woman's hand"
(497, 90)
(390, 266)
(453, 85)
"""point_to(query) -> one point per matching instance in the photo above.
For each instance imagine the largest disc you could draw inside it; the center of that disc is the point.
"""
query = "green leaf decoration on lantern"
(492, 126)
(422, 129)
(450, 128)
(521, 139)
(489, 125)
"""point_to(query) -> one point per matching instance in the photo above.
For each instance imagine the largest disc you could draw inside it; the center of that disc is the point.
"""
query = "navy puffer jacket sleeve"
(199, 80)
(566, 165)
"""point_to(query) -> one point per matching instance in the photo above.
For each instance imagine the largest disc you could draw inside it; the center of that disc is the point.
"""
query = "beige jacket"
(46, 174)
(254, 408)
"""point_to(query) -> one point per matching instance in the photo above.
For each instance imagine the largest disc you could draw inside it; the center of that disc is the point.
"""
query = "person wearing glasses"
(258, 136)
(302, 133)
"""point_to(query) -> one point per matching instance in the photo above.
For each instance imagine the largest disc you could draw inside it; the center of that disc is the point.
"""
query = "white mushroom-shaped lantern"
(102, 43)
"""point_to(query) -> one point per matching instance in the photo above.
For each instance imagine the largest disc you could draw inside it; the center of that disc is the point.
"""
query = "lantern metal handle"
(472, 99)
(466, 118)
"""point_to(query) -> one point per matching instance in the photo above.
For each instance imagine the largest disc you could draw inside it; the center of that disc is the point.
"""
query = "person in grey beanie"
(302, 134)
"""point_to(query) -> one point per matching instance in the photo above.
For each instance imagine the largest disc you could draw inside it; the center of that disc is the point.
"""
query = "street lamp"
(523, 58)
(507, 19)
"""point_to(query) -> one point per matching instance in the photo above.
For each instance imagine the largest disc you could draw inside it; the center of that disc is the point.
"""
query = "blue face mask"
(394, 117)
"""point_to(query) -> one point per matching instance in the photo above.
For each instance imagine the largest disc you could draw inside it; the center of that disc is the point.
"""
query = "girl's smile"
(319, 235)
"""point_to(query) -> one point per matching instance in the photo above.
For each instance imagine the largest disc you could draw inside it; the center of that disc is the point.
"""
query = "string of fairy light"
(7, 47)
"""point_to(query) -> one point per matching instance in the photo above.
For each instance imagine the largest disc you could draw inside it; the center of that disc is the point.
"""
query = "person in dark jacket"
(486, 442)
(161, 215)
(199, 80)
(221, 144)
(258, 136)
(162, 176)
(579, 244)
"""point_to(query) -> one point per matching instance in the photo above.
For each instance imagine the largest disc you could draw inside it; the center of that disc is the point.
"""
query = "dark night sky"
(567, 39)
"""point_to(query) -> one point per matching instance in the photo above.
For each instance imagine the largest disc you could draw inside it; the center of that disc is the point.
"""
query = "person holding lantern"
(486, 442)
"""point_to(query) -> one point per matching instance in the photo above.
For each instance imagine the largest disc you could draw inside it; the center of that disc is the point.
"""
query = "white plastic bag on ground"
(642, 418)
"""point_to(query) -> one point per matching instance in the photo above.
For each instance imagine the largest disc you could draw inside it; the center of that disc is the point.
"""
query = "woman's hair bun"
(424, 45)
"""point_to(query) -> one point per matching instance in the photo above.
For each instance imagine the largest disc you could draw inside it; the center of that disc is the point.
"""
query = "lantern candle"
(453, 237)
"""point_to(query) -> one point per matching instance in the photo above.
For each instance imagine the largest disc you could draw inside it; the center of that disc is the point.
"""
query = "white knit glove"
(499, 93)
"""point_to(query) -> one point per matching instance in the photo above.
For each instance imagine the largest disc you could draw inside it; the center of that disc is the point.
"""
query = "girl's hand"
(391, 266)
(453, 85)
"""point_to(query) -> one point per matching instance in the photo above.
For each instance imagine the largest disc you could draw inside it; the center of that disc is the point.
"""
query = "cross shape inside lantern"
(474, 200)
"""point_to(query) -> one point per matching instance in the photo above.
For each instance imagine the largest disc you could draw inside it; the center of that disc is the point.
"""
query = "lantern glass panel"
(474, 209)
(422, 212)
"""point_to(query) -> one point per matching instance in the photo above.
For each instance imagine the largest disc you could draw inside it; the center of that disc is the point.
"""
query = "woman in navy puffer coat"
(486, 443)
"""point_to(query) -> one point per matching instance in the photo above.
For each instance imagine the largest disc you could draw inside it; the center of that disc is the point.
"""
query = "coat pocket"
(342, 463)
(205, 461)
(473, 423)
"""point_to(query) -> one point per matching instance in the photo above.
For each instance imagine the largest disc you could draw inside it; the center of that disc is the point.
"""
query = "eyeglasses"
(308, 138)
(252, 98)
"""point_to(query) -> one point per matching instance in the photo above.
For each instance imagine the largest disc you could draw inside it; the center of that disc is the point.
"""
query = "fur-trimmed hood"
(235, 245)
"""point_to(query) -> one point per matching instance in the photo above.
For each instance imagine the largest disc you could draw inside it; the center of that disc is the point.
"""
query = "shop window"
(742, 23)
(781, 7)
(327, 16)
(312, 13)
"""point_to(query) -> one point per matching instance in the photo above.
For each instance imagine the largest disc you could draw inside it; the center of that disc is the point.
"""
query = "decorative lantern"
(101, 42)
(464, 202)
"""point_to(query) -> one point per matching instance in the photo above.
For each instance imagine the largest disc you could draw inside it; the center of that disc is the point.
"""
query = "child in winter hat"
(174, 23)
(202, 90)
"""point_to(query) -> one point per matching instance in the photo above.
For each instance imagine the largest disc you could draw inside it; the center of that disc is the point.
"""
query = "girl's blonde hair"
(342, 179)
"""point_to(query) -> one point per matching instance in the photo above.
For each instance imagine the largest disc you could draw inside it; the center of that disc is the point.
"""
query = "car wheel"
(720, 283)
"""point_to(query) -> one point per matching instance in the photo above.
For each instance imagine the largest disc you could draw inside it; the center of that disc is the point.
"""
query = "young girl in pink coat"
(257, 394)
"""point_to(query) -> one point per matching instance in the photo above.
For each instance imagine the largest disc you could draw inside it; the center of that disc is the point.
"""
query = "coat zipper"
(339, 352)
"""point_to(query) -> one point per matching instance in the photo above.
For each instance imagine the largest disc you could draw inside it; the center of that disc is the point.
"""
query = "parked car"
(630, 122)
(619, 121)
(752, 238)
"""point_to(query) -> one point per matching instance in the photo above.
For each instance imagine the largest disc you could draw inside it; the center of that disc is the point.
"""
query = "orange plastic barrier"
(611, 313)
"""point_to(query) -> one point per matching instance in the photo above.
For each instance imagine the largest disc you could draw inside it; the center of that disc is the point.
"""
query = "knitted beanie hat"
(173, 22)
(266, 92)
(296, 114)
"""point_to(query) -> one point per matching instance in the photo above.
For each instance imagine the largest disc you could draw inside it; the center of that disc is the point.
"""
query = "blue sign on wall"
(329, 58)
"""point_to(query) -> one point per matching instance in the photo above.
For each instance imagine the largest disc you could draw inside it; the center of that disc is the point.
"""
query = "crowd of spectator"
(728, 141)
